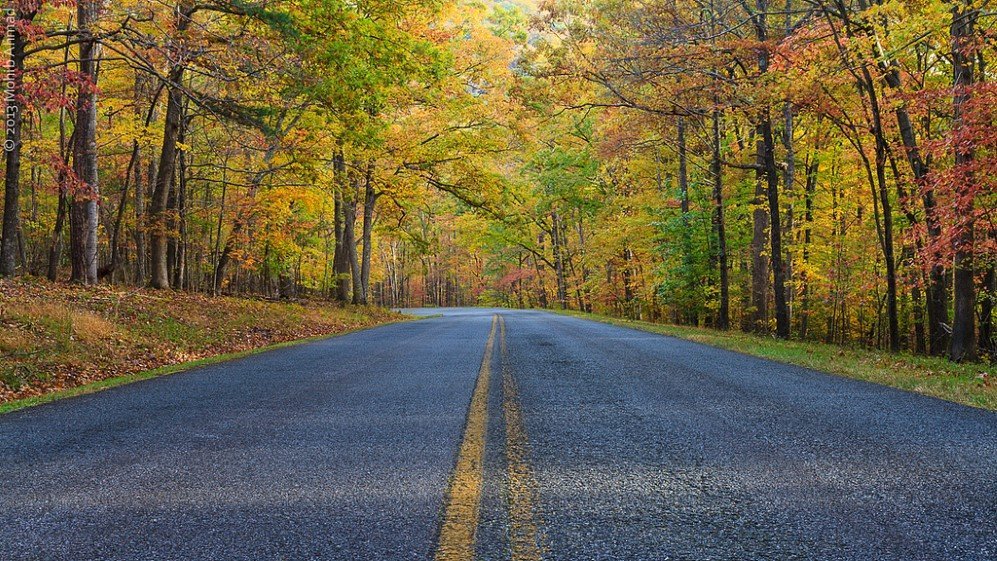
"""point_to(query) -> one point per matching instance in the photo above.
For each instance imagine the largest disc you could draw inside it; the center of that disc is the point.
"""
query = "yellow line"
(523, 532)
(460, 519)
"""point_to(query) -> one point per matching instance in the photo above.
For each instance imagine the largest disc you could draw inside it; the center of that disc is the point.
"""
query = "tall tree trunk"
(719, 226)
(775, 231)
(758, 319)
(936, 294)
(340, 259)
(770, 172)
(889, 257)
(142, 182)
(65, 151)
(936, 291)
(159, 223)
(139, 234)
(963, 343)
(166, 170)
(370, 199)
(12, 146)
(888, 251)
(350, 245)
(760, 216)
(83, 211)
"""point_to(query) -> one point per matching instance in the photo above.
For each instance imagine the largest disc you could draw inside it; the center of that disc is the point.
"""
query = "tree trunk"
(350, 245)
(936, 297)
(758, 319)
(963, 343)
(770, 172)
(719, 226)
(83, 211)
(115, 250)
(166, 170)
(775, 231)
(340, 259)
(159, 226)
(760, 217)
(55, 250)
(12, 147)
(142, 183)
(882, 149)
(936, 292)
(370, 199)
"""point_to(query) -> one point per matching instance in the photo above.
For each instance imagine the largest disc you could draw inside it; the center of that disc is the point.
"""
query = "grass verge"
(57, 340)
(968, 384)
(113, 382)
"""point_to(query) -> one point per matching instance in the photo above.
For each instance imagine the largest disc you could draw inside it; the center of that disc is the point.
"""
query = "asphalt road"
(521, 437)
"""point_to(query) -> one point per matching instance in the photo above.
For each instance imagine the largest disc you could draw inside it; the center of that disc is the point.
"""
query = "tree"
(84, 212)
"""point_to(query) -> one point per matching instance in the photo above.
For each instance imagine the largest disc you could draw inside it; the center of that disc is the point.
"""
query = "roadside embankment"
(58, 339)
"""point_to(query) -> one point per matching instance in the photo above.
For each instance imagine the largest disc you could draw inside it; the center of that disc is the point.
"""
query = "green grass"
(116, 381)
(968, 384)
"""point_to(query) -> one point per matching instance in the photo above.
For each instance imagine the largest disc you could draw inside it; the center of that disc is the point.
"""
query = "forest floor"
(971, 384)
(58, 339)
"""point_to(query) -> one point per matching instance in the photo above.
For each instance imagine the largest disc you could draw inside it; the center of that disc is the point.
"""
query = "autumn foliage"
(812, 169)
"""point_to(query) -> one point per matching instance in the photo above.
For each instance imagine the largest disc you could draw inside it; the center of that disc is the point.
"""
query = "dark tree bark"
(770, 172)
(719, 226)
(350, 244)
(775, 232)
(158, 221)
(83, 210)
(963, 343)
(758, 319)
(889, 256)
(143, 181)
(867, 85)
(936, 294)
(12, 148)
(159, 227)
(370, 199)
(340, 259)
(936, 291)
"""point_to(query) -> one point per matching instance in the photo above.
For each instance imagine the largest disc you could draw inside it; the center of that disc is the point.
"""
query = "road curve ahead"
(499, 435)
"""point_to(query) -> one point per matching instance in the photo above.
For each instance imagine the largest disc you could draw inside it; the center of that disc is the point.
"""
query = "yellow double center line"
(460, 520)
(463, 509)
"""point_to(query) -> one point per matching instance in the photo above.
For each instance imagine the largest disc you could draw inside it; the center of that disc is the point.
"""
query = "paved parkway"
(499, 435)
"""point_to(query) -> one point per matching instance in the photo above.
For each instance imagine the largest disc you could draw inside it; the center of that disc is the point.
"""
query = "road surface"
(499, 435)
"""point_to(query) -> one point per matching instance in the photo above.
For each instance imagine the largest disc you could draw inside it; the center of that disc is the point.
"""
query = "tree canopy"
(813, 169)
